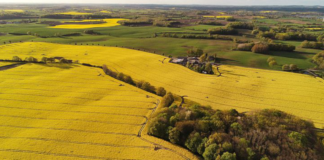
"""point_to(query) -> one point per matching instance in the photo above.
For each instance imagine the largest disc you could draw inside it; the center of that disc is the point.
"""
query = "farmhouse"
(179, 60)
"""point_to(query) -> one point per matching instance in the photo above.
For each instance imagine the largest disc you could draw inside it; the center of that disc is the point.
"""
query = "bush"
(167, 100)
(128, 79)
(148, 87)
(285, 67)
(272, 63)
(260, 48)
(293, 67)
(160, 91)
(319, 59)
(120, 76)
(88, 32)
(270, 59)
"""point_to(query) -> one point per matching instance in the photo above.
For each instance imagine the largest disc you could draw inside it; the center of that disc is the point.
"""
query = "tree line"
(160, 91)
(265, 47)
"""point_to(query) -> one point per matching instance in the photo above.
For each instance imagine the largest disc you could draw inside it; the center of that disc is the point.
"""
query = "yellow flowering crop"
(314, 29)
(105, 11)
(75, 13)
(47, 112)
(108, 23)
(241, 88)
(218, 17)
(14, 10)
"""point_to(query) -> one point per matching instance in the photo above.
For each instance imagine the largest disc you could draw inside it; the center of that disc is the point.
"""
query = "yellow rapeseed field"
(108, 23)
(268, 11)
(314, 29)
(105, 11)
(75, 13)
(259, 17)
(241, 88)
(5, 63)
(218, 17)
(47, 112)
(14, 10)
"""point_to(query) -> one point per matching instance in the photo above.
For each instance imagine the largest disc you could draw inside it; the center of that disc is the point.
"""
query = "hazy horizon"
(178, 2)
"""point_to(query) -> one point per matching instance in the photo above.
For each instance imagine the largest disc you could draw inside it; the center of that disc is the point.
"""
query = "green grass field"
(142, 38)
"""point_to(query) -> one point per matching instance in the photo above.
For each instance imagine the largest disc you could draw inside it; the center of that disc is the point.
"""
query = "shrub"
(272, 63)
(147, 87)
(160, 91)
(270, 59)
(260, 48)
(167, 100)
(293, 67)
(128, 79)
(88, 32)
(285, 67)
(319, 59)
(120, 76)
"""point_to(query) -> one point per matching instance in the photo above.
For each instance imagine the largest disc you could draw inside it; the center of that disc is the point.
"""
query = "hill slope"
(74, 113)
(238, 87)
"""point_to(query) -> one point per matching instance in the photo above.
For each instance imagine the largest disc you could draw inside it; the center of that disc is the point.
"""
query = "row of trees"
(314, 45)
(160, 91)
(265, 47)
(43, 60)
(199, 36)
(285, 36)
(289, 67)
(240, 25)
(223, 31)
(230, 135)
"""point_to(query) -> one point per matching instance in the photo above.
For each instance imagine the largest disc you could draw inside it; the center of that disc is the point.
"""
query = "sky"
(202, 2)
